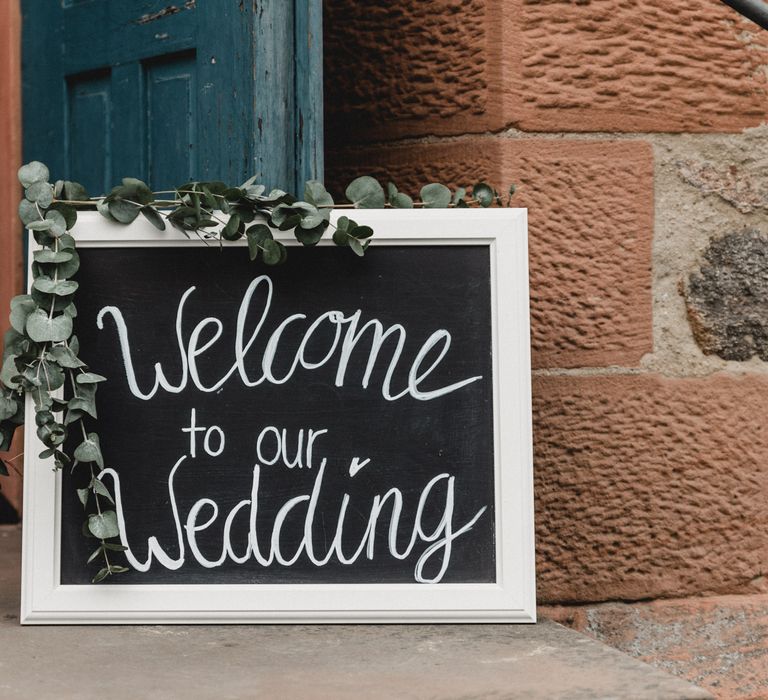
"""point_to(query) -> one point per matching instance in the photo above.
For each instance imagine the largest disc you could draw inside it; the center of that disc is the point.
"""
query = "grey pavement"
(224, 662)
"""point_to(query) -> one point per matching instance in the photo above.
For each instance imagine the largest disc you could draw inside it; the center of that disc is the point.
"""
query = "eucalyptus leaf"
(435, 196)
(123, 211)
(52, 256)
(312, 236)
(483, 193)
(8, 407)
(102, 206)
(233, 229)
(28, 212)
(58, 222)
(82, 494)
(90, 378)
(104, 525)
(42, 329)
(33, 172)
(21, 307)
(366, 193)
(316, 194)
(61, 288)
(340, 237)
(357, 247)
(153, 216)
(256, 235)
(360, 232)
(65, 357)
(89, 450)
(40, 225)
(98, 549)
(272, 254)
(82, 404)
(68, 212)
(401, 201)
(101, 489)
(74, 191)
(8, 372)
(41, 193)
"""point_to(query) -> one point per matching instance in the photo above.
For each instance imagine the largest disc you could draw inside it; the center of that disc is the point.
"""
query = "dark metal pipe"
(756, 10)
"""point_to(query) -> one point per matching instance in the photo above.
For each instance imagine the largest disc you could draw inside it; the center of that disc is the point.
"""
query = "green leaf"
(39, 225)
(101, 489)
(74, 191)
(272, 253)
(117, 569)
(366, 193)
(43, 329)
(357, 247)
(103, 573)
(103, 525)
(316, 194)
(69, 213)
(310, 216)
(153, 216)
(80, 405)
(340, 237)
(458, 195)
(33, 172)
(102, 206)
(28, 212)
(89, 450)
(360, 232)
(133, 190)
(82, 494)
(401, 201)
(41, 193)
(21, 307)
(96, 551)
(115, 547)
(435, 196)
(61, 288)
(8, 407)
(256, 235)
(65, 357)
(123, 211)
(52, 256)
(58, 222)
(90, 378)
(483, 193)
(9, 372)
(312, 236)
(232, 230)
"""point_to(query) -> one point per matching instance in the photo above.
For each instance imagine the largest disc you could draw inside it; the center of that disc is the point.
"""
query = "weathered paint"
(168, 92)
(11, 273)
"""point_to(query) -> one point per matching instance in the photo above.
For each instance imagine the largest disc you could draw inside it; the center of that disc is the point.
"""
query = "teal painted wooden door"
(198, 89)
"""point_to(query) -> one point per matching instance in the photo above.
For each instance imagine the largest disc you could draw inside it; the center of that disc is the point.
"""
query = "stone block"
(467, 66)
(650, 487)
(590, 216)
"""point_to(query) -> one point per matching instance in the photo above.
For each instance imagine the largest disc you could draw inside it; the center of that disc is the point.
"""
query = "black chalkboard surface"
(299, 447)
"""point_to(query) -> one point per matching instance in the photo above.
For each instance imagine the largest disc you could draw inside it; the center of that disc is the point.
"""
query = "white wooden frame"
(511, 599)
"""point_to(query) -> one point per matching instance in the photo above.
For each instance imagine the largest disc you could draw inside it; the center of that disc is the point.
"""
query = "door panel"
(167, 92)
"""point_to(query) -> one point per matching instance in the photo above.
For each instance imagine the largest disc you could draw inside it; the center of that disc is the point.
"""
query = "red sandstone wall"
(612, 118)
(11, 274)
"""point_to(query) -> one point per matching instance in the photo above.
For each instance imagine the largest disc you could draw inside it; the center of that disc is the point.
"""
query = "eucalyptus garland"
(41, 355)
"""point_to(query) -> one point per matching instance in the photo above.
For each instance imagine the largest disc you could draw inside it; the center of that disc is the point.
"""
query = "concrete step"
(531, 662)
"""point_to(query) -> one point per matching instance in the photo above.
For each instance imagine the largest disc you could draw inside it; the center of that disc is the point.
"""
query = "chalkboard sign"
(334, 439)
